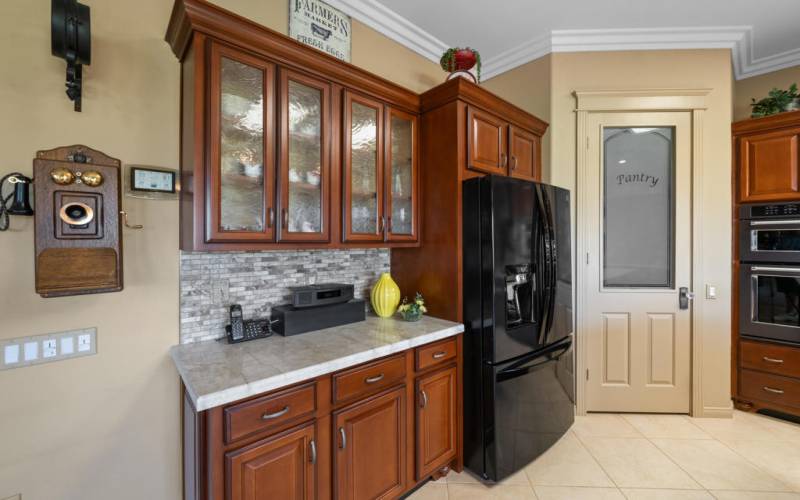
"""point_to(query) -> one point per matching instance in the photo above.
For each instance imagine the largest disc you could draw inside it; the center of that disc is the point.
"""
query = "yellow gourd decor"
(385, 296)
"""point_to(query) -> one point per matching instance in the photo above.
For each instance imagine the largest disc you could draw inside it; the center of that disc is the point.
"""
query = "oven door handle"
(755, 223)
(756, 269)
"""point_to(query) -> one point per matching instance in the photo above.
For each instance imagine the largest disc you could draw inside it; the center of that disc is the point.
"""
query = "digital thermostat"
(152, 180)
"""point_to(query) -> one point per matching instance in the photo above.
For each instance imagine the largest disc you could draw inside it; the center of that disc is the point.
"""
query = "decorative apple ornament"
(461, 60)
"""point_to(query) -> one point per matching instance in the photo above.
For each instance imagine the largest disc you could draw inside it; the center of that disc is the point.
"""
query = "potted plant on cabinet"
(458, 61)
(777, 101)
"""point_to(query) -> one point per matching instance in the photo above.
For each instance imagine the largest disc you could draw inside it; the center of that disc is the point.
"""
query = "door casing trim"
(642, 100)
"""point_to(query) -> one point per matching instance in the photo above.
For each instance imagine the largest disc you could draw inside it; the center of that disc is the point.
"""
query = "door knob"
(684, 297)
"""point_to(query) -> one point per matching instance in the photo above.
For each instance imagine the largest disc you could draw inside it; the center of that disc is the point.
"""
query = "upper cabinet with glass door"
(304, 165)
(380, 172)
(241, 168)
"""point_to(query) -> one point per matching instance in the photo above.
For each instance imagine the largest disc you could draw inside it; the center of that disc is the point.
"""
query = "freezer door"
(530, 409)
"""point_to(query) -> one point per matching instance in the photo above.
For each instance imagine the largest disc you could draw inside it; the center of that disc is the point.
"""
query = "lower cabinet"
(369, 432)
(281, 466)
(436, 421)
(370, 453)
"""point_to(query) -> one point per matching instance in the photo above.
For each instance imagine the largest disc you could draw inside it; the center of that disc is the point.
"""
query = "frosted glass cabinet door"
(304, 167)
(401, 176)
(363, 169)
(241, 147)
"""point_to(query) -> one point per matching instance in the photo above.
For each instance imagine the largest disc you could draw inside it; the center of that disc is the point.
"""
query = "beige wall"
(709, 69)
(107, 426)
(529, 87)
(758, 86)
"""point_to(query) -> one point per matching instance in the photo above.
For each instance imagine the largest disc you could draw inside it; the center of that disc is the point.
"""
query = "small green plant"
(448, 60)
(777, 101)
(412, 311)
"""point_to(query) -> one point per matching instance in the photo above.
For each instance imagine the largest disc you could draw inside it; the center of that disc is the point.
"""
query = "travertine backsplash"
(211, 282)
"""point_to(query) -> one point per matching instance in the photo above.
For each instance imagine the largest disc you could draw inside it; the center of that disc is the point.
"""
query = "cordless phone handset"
(237, 323)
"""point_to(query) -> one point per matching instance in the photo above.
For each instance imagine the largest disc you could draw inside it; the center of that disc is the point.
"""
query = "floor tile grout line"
(758, 467)
(596, 460)
(688, 473)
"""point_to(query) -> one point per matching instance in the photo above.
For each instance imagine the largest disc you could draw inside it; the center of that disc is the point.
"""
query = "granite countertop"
(216, 373)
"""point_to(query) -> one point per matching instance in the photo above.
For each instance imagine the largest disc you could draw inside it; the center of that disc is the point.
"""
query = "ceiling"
(764, 35)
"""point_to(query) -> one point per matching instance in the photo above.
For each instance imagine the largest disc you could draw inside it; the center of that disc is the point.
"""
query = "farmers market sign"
(317, 24)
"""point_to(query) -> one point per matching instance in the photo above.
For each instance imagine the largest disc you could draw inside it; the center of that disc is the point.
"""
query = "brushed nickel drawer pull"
(424, 401)
(774, 391)
(372, 380)
(313, 452)
(772, 360)
(439, 355)
(279, 413)
(343, 444)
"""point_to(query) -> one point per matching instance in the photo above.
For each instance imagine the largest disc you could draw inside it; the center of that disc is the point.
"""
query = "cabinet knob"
(313, 452)
(773, 360)
(774, 391)
(513, 163)
(439, 354)
(343, 443)
(279, 413)
(372, 380)
(270, 217)
(423, 399)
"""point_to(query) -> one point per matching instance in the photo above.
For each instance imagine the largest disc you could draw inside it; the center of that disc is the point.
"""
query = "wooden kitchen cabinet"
(371, 431)
(525, 154)
(241, 168)
(284, 146)
(380, 172)
(767, 154)
(370, 456)
(488, 142)
(436, 421)
(281, 466)
(465, 132)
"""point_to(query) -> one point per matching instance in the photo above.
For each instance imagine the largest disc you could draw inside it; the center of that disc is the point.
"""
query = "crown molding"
(392, 25)
(738, 39)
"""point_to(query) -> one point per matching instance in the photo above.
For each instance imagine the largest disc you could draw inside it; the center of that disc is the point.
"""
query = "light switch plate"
(37, 349)
(711, 292)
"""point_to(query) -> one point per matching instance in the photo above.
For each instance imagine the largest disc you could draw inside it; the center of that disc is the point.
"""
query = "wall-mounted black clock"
(71, 40)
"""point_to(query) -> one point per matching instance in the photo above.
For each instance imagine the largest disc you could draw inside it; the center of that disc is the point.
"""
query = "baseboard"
(715, 412)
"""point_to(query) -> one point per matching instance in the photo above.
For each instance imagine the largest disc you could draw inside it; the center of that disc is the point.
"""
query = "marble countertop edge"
(251, 388)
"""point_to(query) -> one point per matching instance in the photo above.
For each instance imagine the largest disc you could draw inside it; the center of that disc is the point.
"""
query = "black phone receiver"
(237, 322)
(18, 202)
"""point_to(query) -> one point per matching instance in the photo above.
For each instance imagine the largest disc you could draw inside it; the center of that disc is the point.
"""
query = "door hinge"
(587, 258)
(587, 142)
(587, 374)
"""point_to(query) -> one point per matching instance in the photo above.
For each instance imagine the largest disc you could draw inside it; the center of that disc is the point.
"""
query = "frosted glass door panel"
(402, 137)
(638, 207)
(241, 147)
(364, 209)
(305, 159)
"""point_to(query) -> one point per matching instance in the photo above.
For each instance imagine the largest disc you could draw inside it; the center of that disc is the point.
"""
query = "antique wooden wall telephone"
(78, 238)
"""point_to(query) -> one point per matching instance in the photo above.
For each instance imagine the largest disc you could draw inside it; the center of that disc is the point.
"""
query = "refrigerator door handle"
(526, 365)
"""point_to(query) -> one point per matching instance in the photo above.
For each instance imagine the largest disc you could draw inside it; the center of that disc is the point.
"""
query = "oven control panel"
(773, 210)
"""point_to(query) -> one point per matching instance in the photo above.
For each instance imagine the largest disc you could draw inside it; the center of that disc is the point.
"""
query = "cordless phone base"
(253, 329)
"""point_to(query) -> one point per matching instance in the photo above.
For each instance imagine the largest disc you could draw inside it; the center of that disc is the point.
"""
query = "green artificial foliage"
(777, 101)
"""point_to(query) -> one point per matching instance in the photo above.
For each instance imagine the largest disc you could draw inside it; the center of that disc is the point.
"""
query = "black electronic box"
(290, 320)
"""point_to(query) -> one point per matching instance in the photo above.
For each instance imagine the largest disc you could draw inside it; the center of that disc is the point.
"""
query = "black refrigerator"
(519, 380)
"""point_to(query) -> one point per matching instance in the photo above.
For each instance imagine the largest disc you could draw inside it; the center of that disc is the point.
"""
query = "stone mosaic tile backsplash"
(211, 282)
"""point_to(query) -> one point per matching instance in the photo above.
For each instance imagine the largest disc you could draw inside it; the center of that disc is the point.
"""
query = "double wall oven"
(769, 272)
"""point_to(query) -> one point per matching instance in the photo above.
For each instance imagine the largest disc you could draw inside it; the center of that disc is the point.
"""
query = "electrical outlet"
(49, 349)
(37, 349)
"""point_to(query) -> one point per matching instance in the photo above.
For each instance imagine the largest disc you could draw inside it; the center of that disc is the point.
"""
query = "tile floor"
(660, 457)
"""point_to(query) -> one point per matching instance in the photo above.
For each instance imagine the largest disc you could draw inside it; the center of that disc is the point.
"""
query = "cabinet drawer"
(368, 379)
(772, 358)
(435, 354)
(269, 411)
(766, 387)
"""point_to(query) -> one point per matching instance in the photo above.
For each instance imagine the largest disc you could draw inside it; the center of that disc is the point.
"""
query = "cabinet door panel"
(436, 421)
(769, 165)
(305, 155)
(402, 176)
(363, 169)
(278, 467)
(241, 147)
(370, 457)
(487, 142)
(525, 154)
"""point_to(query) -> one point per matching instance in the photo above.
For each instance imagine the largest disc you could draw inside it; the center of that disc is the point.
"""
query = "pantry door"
(638, 261)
